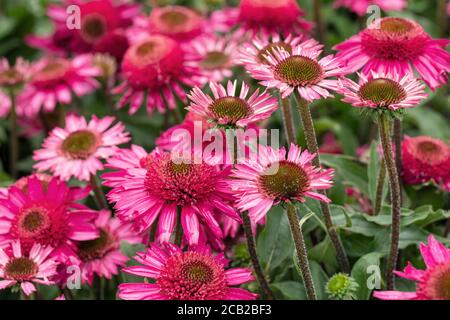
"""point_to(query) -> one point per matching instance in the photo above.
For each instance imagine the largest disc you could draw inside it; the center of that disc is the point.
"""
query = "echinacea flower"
(383, 90)
(102, 25)
(19, 268)
(45, 212)
(433, 283)
(55, 80)
(148, 186)
(424, 159)
(155, 68)
(397, 46)
(102, 256)
(360, 7)
(76, 150)
(13, 75)
(298, 70)
(228, 108)
(191, 275)
(216, 56)
(5, 104)
(270, 178)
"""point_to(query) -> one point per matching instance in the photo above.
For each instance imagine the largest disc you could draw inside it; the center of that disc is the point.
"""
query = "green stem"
(442, 18)
(311, 142)
(380, 187)
(98, 193)
(288, 121)
(178, 228)
(67, 293)
(302, 254)
(320, 31)
(395, 198)
(14, 146)
(251, 245)
(398, 152)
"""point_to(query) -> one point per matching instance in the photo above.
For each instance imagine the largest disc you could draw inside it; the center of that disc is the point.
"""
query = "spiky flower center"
(96, 248)
(284, 180)
(174, 18)
(214, 60)
(80, 144)
(231, 109)
(396, 25)
(192, 276)
(383, 92)
(93, 27)
(298, 71)
(10, 77)
(428, 150)
(340, 286)
(271, 48)
(33, 221)
(436, 285)
(53, 70)
(21, 269)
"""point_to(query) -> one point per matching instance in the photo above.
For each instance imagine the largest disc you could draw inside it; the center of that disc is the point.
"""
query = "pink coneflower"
(216, 56)
(76, 150)
(272, 178)
(397, 46)
(13, 75)
(299, 70)
(102, 256)
(431, 283)
(191, 275)
(45, 212)
(228, 108)
(5, 104)
(18, 268)
(101, 29)
(54, 80)
(424, 159)
(360, 6)
(381, 90)
(155, 68)
(148, 186)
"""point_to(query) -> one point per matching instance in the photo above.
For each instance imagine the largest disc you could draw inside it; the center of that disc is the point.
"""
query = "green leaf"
(324, 253)
(289, 290)
(362, 271)
(430, 122)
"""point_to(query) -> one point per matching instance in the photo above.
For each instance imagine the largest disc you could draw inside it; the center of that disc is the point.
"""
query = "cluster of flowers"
(171, 55)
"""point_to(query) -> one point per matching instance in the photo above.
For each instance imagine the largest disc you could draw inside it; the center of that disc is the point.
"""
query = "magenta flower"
(45, 212)
(155, 68)
(13, 75)
(102, 256)
(55, 80)
(148, 186)
(270, 178)
(191, 275)
(76, 150)
(397, 46)
(102, 27)
(227, 107)
(379, 90)
(297, 70)
(18, 268)
(360, 6)
(431, 283)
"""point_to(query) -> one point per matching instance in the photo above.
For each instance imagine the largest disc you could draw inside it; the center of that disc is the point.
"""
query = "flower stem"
(288, 121)
(251, 245)
(302, 254)
(442, 18)
(178, 228)
(98, 193)
(380, 186)
(320, 33)
(14, 146)
(311, 142)
(67, 293)
(398, 152)
(395, 198)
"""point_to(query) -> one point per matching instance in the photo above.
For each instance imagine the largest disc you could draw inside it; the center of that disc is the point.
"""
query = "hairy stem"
(395, 198)
(178, 228)
(251, 245)
(288, 121)
(320, 31)
(380, 187)
(14, 142)
(398, 152)
(302, 254)
(311, 142)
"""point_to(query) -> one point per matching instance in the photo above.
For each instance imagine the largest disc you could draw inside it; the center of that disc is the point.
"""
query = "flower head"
(380, 90)
(148, 186)
(227, 108)
(297, 70)
(191, 275)
(53, 81)
(424, 159)
(154, 68)
(433, 283)
(76, 150)
(360, 7)
(397, 46)
(102, 256)
(17, 267)
(270, 178)
(13, 75)
(341, 286)
(45, 212)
